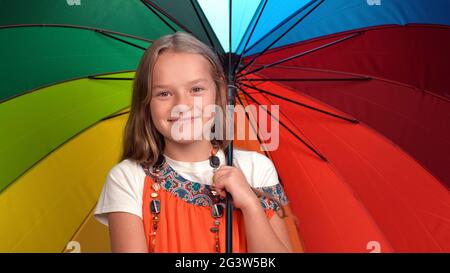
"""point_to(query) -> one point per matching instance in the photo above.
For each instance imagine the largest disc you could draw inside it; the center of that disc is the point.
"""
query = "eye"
(163, 94)
(197, 89)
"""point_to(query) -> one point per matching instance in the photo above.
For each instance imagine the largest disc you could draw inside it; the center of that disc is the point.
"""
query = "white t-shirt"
(124, 183)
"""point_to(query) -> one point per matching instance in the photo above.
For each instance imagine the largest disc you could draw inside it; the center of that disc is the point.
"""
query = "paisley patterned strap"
(199, 194)
(276, 192)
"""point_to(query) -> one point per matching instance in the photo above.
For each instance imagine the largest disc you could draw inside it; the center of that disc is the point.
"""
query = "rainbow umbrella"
(361, 87)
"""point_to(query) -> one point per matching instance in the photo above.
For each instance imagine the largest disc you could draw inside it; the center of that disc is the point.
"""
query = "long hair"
(142, 142)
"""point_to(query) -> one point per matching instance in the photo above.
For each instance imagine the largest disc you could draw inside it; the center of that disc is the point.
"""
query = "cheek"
(158, 114)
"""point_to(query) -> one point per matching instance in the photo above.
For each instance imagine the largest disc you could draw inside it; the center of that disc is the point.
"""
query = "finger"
(220, 190)
(220, 173)
(219, 181)
(223, 194)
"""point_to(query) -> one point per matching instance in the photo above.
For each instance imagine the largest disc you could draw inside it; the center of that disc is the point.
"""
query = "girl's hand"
(231, 179)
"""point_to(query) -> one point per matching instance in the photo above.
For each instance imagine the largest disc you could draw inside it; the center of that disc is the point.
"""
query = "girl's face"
(179, 80)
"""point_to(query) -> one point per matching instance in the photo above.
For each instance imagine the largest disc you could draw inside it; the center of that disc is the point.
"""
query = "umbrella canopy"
(363, 96)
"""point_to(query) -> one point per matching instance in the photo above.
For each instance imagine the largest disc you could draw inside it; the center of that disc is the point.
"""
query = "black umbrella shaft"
(230, 101)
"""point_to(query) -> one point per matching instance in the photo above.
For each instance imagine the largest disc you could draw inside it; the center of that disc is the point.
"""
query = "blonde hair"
(142, 142)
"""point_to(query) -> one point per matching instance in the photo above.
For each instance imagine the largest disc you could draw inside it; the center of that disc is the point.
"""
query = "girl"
(167, 194)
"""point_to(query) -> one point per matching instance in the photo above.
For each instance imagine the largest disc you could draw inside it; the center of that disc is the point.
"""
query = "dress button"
(216, 210)
(214, 229)
(155, 206)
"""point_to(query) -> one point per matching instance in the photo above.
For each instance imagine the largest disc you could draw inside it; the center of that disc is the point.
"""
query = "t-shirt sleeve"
(262, 175)
(264, 172)
(120, 193)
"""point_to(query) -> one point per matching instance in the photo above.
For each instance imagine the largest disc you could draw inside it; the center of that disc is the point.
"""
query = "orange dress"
(185, 215)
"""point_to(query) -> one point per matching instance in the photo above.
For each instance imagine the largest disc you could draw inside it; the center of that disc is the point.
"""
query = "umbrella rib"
(360, 76)
(115, 115)
(308, 79)
(109, 78)
(282, 23)
(301, 104)
(349, 76)
(37, 88)
(250, 37)
(251, 124)
(152, 9)
(287, 118)
(79, 27)
(280, 37)
(120, 40)
(203, 26)
(322, 70)
(287, 128)
(302, 54)
(168, 16)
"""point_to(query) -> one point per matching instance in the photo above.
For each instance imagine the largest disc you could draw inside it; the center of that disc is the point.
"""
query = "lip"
(182, 119)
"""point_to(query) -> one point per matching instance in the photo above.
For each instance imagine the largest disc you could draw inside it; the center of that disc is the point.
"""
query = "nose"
(182, 105)
(181, 98)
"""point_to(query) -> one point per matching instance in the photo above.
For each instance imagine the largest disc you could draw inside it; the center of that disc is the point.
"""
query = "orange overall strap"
(146, 214)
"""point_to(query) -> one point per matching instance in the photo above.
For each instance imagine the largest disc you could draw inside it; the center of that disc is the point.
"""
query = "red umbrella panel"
(365, 193)
(392, 78)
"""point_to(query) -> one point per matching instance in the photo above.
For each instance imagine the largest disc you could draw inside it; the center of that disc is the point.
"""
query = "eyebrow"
(191, 82)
